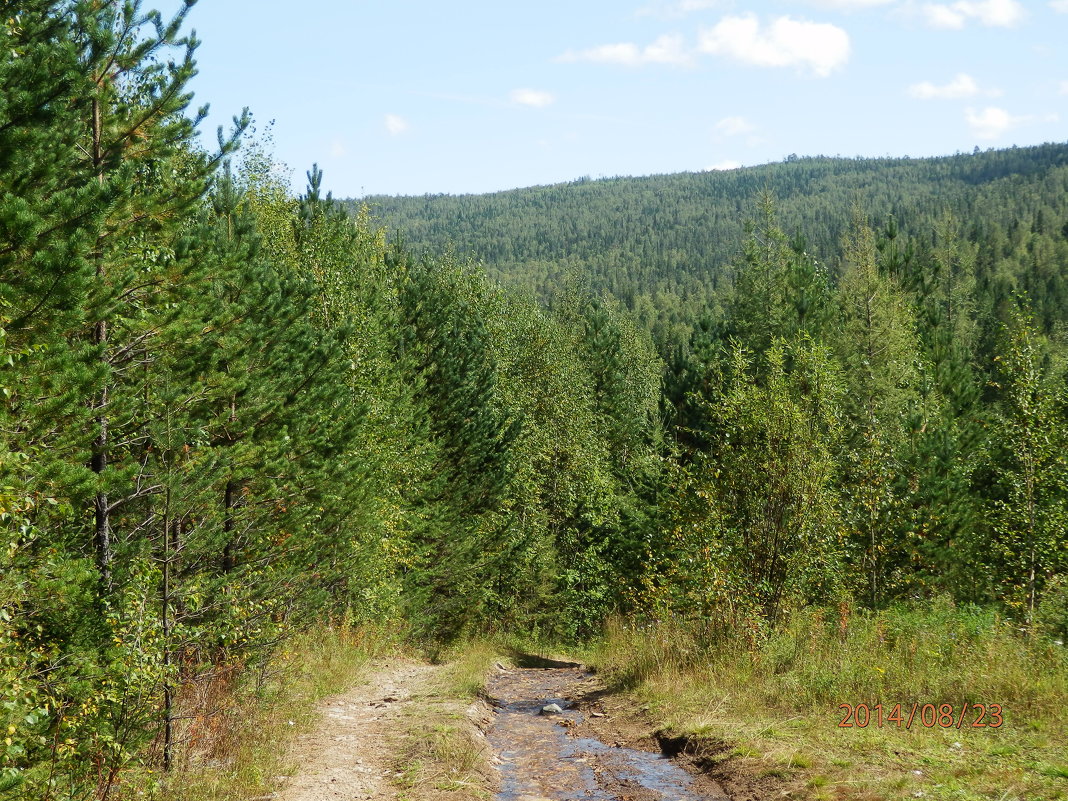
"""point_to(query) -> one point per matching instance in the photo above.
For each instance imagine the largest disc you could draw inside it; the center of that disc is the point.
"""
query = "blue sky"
(414, 97)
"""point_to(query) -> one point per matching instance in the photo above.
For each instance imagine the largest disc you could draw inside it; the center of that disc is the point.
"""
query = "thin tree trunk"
(229, 493)
(229, 501)
(99, 462)
(1032, 525)
(168, 689)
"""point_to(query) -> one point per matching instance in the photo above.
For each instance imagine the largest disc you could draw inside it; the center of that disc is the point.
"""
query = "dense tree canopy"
(668, 246)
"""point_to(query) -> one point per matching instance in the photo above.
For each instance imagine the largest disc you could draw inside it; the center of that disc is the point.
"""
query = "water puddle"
(544, 757)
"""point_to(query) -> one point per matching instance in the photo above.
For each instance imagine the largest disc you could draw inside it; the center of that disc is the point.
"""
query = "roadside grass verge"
(769, 707)
(237, 723)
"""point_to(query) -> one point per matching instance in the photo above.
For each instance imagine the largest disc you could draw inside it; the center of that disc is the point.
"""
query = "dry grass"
(236, 722)
(775, 702)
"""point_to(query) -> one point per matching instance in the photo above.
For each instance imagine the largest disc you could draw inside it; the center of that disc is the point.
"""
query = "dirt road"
(587, 750)
(350, 754)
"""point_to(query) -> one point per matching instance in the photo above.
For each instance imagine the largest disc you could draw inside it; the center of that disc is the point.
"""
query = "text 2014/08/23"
(945, 716)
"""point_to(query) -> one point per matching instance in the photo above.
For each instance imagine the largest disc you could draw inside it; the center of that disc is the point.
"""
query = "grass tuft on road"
(443, 754)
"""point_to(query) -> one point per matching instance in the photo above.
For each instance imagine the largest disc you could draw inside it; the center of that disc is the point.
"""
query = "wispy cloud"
(1060, 6)
(850, 5)
(338, 149)
(395, 124)
(669, 49)
(532, 97)
(992, 13)
(1064, 87)
(818, 47)
(734, 126)
(993, 123)
(673, 10)
(962, 86)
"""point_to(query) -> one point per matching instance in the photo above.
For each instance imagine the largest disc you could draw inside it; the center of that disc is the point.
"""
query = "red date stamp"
(930, 716)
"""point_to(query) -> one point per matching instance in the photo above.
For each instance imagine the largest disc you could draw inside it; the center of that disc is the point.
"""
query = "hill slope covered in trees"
(675, 239)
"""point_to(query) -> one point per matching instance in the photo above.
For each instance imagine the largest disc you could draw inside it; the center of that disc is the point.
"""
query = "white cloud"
(729, 164)
(1060, 6)
(622, 53)
(943, 17)
(668, 49)
(532, 97)
(786, 42)
(734, 126)
(992, 122)
(1064, 87)
(396, 125)
(992, 13)
(338, 149)
(996, 13)
(963, 85)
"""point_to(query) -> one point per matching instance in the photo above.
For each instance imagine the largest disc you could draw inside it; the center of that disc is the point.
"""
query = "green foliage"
(779, 290)
(1029, 505)
(774, 466)
(760, 532)
(1052, 612)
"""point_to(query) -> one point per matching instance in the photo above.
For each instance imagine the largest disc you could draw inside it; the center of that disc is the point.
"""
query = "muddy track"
(585, 751)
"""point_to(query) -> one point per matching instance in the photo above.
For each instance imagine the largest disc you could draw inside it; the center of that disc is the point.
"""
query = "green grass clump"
(774, 696)
(466, 667)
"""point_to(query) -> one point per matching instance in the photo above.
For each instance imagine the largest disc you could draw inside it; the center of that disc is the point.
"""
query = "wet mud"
(564, 756)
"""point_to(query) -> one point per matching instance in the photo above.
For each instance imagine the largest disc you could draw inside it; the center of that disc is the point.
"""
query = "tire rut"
(350, 753)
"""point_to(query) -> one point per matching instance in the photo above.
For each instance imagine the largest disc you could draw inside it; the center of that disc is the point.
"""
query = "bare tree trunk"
(99, 463)
(1032, 525)
(229, 501)
(228, 560)
(168, 688)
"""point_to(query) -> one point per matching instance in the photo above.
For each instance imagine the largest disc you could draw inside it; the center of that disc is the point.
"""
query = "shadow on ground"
(525, 660)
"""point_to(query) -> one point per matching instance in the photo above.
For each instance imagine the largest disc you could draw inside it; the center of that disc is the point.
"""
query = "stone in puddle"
(551, 709)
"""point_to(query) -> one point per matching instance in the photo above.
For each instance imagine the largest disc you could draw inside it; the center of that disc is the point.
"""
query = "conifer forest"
(232, 411)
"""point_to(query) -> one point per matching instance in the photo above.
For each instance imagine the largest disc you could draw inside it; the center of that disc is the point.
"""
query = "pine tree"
(878, 351)
(50, 218)
(943, 451)
(780, 289)
(446, 337)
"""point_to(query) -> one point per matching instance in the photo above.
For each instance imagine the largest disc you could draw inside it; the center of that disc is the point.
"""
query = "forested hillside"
(231, 412)
(667, 245)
